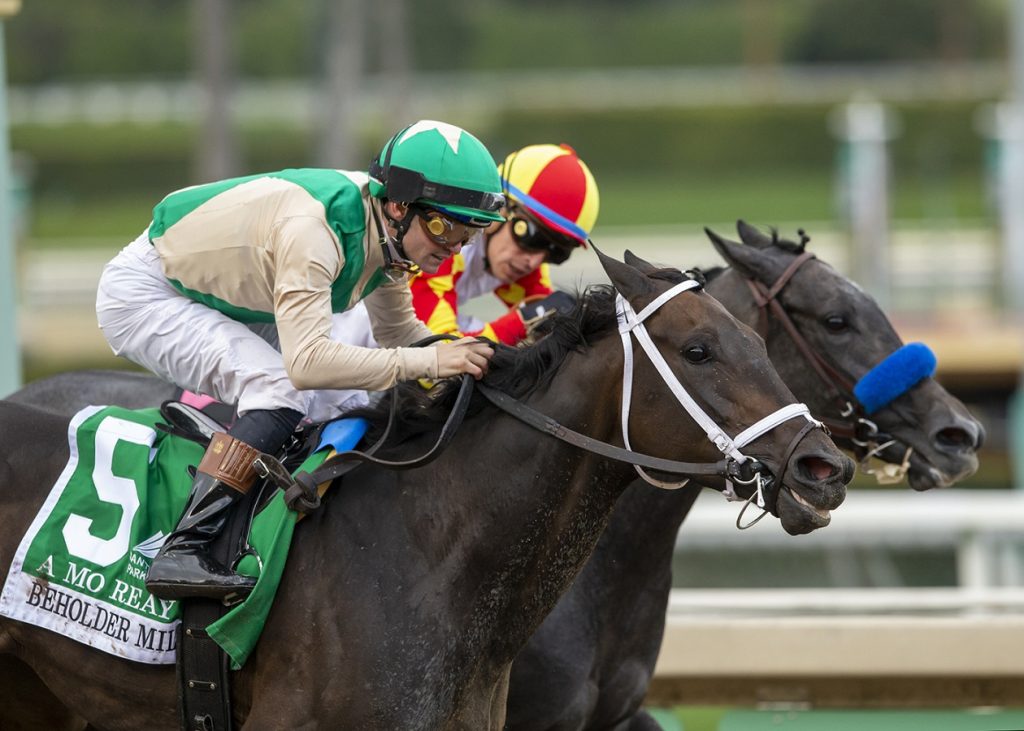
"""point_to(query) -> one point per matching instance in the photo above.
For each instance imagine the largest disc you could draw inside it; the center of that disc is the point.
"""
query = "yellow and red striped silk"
(435, 299)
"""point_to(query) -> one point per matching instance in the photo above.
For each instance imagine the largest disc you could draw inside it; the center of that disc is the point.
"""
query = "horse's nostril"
(956, 439)
(817, 469)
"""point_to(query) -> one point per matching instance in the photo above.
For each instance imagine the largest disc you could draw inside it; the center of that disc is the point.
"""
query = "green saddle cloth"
(80, 568)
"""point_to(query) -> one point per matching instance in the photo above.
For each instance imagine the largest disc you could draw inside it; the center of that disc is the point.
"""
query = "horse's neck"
(495, 530)
(527, 508)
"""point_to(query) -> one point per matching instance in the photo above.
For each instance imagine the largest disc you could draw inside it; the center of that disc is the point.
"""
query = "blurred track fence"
(883, 646)
(945, 288)
(302, 102)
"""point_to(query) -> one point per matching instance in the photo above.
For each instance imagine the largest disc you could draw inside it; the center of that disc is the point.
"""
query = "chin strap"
(397, 264)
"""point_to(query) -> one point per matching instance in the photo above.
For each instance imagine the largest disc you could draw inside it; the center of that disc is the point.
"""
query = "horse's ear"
(752, 236)
(635, 261)
(627, 279)
(750, 261)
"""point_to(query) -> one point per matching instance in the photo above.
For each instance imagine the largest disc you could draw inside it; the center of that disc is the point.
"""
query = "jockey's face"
(425, 250)
(507, 260)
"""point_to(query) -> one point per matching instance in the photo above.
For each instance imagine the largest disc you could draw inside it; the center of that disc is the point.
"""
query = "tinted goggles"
(442, 230)
(532, 237)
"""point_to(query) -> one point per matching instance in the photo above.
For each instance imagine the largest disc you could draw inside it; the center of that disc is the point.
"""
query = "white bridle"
(631, 321)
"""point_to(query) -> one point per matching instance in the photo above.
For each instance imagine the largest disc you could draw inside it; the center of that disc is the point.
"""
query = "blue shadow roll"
(894, 376)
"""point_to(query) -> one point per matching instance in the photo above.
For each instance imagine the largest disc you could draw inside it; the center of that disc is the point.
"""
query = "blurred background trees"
(669, 101)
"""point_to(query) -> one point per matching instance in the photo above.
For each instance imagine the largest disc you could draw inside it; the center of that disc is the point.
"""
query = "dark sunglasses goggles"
(533, 237)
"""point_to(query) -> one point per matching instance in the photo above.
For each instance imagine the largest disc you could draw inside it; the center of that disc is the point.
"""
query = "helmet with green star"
(441, 166)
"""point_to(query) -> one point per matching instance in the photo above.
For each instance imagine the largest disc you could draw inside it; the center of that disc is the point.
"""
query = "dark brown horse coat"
(408, 595)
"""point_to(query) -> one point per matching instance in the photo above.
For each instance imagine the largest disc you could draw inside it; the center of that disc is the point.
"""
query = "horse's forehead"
(695, 309)
(825, 285)
(824, 290)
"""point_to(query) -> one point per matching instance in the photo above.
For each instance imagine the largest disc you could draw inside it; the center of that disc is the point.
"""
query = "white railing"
(839, 646)
(768, 603)
(297, 100)
(983, 527)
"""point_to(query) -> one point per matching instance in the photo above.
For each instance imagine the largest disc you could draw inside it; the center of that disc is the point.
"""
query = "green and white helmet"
(442, 166)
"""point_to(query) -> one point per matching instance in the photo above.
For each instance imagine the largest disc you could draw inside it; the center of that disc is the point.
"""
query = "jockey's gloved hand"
(538, 308)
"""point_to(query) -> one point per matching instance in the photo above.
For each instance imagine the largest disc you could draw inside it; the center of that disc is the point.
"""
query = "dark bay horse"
(590, 663)
(408, 594)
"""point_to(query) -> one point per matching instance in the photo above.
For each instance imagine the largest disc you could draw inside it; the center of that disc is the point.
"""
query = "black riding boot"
(183, 567)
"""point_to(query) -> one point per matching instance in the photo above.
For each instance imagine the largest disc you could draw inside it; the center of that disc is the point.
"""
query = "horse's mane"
(791, 246)
(517, 371)
(776, 241)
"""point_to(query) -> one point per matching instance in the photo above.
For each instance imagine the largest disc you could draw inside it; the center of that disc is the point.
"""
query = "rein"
(301, 492)
(858, 428)
(541, 422)
(765, 298)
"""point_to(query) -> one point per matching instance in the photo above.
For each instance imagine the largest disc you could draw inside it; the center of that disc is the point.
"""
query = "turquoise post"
(10, 344)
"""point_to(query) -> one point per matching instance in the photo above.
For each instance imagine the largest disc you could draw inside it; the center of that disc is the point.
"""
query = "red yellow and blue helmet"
(555, 187)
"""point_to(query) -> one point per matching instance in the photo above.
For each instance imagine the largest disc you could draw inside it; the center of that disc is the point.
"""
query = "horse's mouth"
(799, 516)
(925, 474)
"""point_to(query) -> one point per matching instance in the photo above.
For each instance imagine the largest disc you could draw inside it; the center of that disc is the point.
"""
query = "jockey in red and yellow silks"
(552, 207)
(436, 297)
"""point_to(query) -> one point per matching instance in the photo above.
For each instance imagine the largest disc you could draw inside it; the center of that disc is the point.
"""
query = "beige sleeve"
(307, 260)
(392, 317)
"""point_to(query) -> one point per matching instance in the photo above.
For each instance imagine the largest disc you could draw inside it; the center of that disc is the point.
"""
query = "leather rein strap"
(303, 490)
(546, 424)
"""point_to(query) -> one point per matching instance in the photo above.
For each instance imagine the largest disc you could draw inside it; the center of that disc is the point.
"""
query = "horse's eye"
(836, 323)
(697, 354)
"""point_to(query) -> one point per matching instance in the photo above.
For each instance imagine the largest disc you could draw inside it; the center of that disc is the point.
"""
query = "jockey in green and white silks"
(231, 293)
(279, 275)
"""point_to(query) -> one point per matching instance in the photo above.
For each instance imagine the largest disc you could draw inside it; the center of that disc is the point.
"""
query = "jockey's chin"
(431, 263)
(426, 254)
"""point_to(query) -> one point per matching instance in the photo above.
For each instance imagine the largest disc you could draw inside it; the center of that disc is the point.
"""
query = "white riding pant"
(198, 348)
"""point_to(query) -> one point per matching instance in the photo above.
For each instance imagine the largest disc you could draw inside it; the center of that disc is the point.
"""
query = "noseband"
(857, 427)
